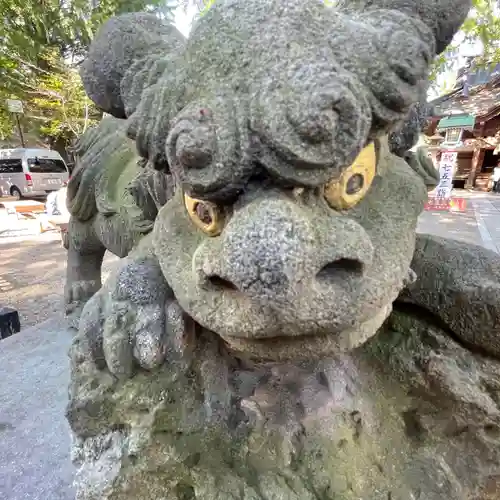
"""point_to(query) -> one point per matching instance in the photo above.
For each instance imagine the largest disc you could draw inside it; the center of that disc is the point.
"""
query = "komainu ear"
(443, 17)
(407, 134)
(128, 54)
(405, 137)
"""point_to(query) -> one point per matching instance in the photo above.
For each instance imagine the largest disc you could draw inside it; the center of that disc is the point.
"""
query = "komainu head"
(292, 225)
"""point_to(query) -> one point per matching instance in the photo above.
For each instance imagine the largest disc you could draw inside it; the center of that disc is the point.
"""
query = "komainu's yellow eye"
(351, 187)
(205, 215)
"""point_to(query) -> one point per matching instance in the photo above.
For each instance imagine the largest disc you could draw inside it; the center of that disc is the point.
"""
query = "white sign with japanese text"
(14, 106)
(446, 169)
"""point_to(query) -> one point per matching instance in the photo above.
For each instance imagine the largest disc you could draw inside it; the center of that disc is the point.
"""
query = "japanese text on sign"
(446, 168)
(14, 106)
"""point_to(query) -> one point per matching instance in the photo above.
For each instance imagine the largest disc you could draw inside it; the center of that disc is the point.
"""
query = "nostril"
(341, 268)
(221, 283)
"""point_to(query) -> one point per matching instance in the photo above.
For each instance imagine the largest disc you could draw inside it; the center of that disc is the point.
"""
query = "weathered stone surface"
(329, 274)
(246, 347)
(411, 414)
(117, 69)
(460, 284)
(451, 412)
(403, 139)
(293, 91)
(241, 92)
(444, 18)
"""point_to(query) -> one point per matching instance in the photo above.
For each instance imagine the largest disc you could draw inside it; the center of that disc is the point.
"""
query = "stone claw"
(75, 297)
(126, 323)
(80, 291)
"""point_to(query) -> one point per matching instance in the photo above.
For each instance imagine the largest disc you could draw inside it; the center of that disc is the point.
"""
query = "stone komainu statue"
(277, 328)
(113, 198)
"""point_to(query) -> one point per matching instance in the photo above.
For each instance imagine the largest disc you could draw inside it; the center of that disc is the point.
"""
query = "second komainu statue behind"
(276, 329)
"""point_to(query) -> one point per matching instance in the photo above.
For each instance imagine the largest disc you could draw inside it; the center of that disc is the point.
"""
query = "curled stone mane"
(128, 57)
(267, 107)
(107, 161)
(237, 96)
(106, 140)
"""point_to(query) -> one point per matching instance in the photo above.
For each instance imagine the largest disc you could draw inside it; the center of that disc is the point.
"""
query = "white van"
(31, 172)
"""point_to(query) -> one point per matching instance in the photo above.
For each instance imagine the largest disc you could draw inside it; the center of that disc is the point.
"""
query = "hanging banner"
(446, 168)
(440, 199)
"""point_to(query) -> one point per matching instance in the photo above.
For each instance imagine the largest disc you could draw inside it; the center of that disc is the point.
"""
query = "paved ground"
(33, 269)
(34, 436)
(480, 224)
(487, 214)
(32, 276)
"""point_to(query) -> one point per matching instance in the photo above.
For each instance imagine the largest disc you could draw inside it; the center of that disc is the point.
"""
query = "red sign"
(446, 204)
(437, 204)
(458, 204)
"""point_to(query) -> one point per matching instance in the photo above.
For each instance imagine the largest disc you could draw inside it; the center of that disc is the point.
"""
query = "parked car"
(31, 172)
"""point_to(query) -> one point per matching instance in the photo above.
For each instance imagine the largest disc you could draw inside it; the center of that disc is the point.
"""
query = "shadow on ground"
(32, 277)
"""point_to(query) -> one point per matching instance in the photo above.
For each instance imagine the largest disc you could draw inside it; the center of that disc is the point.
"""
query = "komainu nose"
(340, 269)
(219, 282)
(259, 260)
(273, 250)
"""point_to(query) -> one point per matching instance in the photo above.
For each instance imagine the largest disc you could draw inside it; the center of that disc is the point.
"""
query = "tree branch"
(18, 82)
(22, 61)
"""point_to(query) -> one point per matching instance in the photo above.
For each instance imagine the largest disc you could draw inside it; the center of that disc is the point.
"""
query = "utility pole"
(16, 108)
(20, 130)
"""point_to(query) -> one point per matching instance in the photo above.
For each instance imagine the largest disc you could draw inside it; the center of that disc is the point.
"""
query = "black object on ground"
(9, 322)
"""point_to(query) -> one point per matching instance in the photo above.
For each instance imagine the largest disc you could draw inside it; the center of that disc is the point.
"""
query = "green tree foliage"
(481, 29)
(41, 43)
(483, 25)
(64, 110)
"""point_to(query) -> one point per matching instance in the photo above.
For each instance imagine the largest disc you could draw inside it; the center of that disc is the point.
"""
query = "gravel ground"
(32, 276)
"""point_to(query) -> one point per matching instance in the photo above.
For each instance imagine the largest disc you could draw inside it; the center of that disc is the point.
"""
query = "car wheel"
(16, 193)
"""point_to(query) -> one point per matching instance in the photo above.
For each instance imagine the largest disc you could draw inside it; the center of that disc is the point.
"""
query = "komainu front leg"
(83, 274)
(460, 284)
